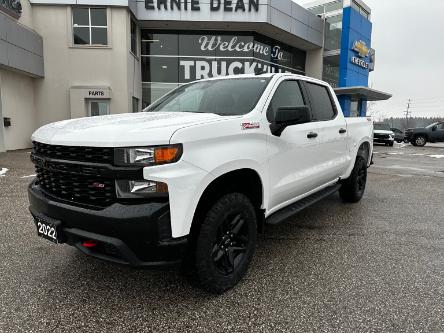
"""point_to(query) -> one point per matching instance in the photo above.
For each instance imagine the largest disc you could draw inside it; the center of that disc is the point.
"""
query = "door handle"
(312, 135)
(342, 131)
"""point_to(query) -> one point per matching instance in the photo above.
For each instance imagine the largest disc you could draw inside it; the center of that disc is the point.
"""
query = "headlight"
(140, 189)
(146, 156)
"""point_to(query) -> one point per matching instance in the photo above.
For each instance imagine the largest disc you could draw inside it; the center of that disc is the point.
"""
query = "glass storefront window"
(331, 70)
(333, 32)
(319, 10)
(360, 10)
(333, 6)
(354, 109)
(169, 59)
(327, 8)
(159, 44)
(160, 69)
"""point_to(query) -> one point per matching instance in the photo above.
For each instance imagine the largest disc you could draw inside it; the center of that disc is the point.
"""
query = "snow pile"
(3, 172)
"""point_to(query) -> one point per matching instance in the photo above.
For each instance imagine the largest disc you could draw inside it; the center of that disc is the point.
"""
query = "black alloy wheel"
(226, 242)
(231, 244)
(361, 178)
(353, 188)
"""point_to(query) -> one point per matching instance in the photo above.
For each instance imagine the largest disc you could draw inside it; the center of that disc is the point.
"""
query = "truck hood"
(383, 132)
(122, 130)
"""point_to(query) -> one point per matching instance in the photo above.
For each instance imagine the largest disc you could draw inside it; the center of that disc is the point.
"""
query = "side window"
(441, 126)
(287, 94)
(90, 26)
(98, 107)
(321, 102)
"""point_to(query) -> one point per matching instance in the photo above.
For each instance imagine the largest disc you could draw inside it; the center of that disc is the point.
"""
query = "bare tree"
(374, 112)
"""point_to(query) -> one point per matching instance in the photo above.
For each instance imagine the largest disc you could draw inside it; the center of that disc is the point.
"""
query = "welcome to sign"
(195, 5)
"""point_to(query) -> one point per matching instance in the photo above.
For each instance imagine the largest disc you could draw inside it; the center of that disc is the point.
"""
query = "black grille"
(79, 154)
(74, 173)
(89, 190)
(382, 136)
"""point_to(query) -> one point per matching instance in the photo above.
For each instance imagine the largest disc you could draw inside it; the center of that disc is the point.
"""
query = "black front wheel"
(353, 188)
(226, 243)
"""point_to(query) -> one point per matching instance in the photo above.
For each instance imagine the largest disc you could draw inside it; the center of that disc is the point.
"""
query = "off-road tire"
(353, 188)
(215, 237)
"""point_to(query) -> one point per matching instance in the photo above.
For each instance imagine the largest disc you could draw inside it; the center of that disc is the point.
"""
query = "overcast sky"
(407, 37)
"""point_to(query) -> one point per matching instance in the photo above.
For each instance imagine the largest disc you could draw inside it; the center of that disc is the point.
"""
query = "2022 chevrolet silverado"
(197, 174)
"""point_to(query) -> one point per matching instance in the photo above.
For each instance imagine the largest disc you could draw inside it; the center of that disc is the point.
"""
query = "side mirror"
(289, 115)
(434, 128)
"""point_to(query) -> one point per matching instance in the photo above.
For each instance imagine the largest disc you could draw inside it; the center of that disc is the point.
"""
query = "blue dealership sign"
(355, 49)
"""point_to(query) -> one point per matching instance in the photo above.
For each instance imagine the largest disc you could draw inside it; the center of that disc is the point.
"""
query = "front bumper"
(136, 235)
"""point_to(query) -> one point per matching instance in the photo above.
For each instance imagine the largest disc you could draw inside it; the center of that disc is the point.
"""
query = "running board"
(296, 207)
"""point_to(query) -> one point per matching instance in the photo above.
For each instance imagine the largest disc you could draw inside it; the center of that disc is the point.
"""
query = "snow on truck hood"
(130, 129)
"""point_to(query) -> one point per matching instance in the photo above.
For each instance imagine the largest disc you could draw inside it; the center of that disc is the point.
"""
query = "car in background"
(383, 134)
(420, 136)
(399, 135)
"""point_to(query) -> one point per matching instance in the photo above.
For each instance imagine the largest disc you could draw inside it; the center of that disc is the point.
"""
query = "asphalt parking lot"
(371, 267)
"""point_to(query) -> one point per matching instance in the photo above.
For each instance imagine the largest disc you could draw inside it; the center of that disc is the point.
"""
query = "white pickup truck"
(198, 173)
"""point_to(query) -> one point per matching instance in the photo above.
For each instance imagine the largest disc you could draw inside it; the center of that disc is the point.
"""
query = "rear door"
(294, 155)
(332, 132)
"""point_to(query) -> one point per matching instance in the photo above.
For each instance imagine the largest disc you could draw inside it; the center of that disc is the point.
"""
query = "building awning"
(362, 92)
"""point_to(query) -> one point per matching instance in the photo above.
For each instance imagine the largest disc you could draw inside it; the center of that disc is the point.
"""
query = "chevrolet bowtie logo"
(361, 48)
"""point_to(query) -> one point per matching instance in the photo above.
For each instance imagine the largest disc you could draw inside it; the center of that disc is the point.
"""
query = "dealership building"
(63, 59)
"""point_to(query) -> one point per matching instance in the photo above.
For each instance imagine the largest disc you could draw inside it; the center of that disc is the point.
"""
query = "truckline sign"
(243, 63)
(205, 56)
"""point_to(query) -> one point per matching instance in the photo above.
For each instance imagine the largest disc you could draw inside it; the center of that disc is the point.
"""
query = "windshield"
(382, 127)
(225, 97)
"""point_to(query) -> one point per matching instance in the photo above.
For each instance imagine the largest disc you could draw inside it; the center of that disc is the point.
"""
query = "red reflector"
(89, 243)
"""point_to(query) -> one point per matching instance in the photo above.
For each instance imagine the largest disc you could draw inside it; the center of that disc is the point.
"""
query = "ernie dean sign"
(195, 5)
